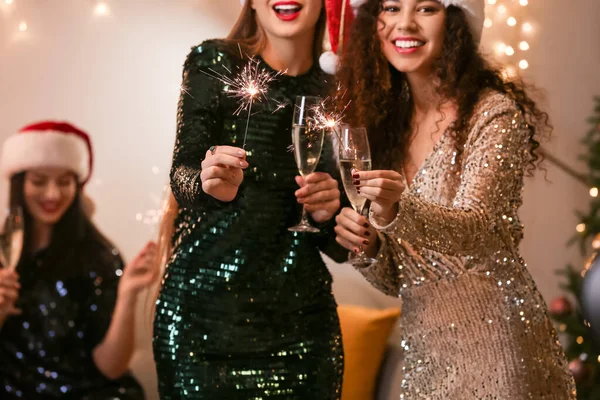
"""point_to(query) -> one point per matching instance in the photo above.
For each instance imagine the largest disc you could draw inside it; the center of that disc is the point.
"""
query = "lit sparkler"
(328, 120)
(248, 86)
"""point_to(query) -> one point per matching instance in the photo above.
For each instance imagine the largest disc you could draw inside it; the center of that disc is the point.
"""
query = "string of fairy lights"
(507, 30)
(99, 8)
(506, 24)
(508, 33)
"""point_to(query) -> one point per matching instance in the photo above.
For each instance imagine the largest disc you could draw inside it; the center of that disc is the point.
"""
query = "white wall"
(118, 77)
(565, 62)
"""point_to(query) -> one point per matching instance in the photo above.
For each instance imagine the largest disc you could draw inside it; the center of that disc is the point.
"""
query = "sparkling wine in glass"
(11, 237)
(307, 139)
(354, 154)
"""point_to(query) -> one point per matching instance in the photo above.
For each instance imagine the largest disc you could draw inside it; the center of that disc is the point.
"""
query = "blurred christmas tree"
(582, 345)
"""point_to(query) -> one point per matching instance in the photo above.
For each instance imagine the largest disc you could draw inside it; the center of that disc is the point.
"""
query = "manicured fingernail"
(356, 176)
(243, 164)
(356, 183)
(367, 233)
(358, 190)
(366, 225)
(241, 153)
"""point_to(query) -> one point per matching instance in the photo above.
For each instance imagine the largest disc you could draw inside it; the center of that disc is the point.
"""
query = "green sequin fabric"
(246, 309)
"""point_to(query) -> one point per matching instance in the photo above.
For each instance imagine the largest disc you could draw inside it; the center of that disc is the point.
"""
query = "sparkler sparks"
(248, 86)
(280, 106)
(184, 89)
(328, 120)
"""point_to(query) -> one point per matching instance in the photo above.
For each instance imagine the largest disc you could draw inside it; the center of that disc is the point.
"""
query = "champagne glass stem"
(361, 258)
(304, 220)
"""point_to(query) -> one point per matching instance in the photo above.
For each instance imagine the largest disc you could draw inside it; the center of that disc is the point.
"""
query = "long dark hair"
(74, 240)
(461, 70)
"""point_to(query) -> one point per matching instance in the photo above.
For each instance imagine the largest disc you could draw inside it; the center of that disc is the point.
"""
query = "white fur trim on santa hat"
(475, 12)
(357, 3)
(48, 149)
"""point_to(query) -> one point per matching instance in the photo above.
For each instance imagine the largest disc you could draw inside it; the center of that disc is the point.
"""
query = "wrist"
(384, 215)
(373, 247)
(127, 299)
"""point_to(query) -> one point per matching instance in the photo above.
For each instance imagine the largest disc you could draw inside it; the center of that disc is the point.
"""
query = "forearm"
(447, 230)
(113, 354)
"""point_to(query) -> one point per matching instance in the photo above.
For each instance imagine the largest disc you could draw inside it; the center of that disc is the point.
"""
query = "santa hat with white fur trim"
(340, 14)
(50, 144)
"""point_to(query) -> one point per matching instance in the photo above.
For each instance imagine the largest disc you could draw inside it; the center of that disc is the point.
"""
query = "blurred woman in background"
(67, 311)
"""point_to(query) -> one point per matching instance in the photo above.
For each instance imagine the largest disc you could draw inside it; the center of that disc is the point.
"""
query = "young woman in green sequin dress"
(452, 141)
(246, 310)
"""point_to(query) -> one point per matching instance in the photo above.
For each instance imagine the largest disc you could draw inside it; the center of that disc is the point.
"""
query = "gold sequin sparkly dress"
(474, 325)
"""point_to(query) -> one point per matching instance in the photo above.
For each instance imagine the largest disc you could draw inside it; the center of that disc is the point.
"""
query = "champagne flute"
(354, 154)
(307, 138)
(11, 237)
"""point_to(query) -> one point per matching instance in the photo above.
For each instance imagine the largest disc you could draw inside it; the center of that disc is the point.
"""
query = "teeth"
(408, 44)
(287, 7)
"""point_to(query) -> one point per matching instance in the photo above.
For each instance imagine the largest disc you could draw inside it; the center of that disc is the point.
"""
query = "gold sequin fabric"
(474, 326)
(246, 309)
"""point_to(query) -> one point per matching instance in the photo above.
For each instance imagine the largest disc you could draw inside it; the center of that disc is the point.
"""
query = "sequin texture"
(46, 352)
(246, 309)
(474, 324)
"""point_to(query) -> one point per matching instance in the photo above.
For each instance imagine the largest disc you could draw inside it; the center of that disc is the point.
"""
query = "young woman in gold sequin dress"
(451, 143)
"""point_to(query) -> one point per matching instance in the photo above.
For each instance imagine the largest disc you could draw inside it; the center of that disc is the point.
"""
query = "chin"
(48, 218)
(288, 32)
(407, 66)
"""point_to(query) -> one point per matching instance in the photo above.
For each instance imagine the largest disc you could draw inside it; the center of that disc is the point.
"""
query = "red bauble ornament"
(579, 370)
(560, 306)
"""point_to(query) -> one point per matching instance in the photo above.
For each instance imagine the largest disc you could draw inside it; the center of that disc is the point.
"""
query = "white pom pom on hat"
(329, 62)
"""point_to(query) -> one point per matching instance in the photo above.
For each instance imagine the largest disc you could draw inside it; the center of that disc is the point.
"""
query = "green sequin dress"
(246, 309)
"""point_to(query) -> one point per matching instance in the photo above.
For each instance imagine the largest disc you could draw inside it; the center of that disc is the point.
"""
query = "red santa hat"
(340, 14)
(50, 144)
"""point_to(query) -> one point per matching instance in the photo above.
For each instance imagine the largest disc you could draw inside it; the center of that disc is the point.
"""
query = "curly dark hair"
(368, 79)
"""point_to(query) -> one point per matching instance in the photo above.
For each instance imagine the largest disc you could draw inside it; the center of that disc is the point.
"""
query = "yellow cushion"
(365, 332)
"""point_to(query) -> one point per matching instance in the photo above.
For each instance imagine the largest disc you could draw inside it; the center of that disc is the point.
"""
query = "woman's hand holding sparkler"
(320, 195)
(222, 172)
